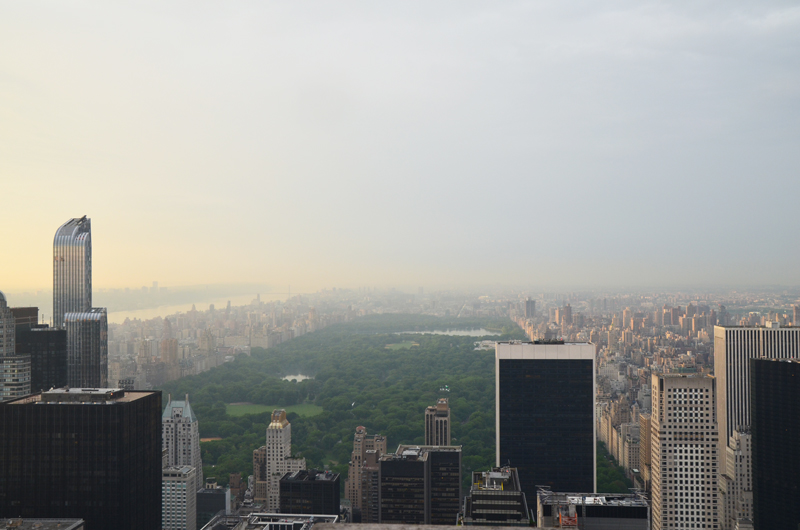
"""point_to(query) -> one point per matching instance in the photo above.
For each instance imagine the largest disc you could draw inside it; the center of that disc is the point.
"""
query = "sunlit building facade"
(72, 269)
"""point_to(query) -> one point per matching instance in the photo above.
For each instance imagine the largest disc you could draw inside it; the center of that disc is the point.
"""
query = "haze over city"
(449, 144)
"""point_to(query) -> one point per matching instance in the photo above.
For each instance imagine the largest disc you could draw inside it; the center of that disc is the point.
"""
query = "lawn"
(402, 345)
(240, 409)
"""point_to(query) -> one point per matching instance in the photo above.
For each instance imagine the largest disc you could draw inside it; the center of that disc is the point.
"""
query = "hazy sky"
(403, 143)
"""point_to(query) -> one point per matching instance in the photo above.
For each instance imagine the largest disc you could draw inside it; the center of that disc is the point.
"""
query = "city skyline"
(384, 139)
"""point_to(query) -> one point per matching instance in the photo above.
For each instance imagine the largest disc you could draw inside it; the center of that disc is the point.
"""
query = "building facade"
(736, 482)
(15, 369)
(495, 499)
(775, 399)
(420, 485)
(47, 349)
(545, 413)
(437, 423)
(87, 348)
(586, 510)
(273, 460)
(180, 438)
(90, 454)
(72, 269)
(7, 328)
(734, 346)
(178, 498)
(685, 452)
(354, 485)
(310, 492)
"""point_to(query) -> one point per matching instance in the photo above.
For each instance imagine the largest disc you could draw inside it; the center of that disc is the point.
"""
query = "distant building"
(608, 511)
(180, 437)
(178, 498)
(684, 452)
(77, 453)
(72, 269)
(495, 499)
(530, 308)
(355, 483)
(545, 413)
(437, 423)
(775, 395)
(274, 460)
(310, 492)
(370, 487)
(15, 370)
(87, 348)
(420, 485)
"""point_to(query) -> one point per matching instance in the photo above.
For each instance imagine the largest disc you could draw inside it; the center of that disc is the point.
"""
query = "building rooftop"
(497, 478)
(264, 521)
(591, 499)
(95, 396)
(311, 474)
(42, 524)
(184, 405)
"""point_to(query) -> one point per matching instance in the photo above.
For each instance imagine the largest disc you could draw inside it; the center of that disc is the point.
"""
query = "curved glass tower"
(72, 269)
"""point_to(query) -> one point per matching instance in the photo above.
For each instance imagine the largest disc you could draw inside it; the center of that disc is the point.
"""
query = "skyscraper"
(15, 370)
(530, 308)
(93, 454)
(274, 460)
(178, 498)
(734, 346)
(87, 348)
(180, 438)
(684, 452)
(437, 423)
(545, 413)
(354, 485)
(775, 395)
(72, 269)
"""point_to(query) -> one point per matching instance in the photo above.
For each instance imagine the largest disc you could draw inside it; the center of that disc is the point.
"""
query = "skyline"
(448, 145)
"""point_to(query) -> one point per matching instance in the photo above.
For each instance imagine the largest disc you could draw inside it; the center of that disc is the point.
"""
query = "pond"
(455, 332)
(298, 377)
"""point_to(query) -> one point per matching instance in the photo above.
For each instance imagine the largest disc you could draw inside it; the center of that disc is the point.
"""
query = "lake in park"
(454, 332)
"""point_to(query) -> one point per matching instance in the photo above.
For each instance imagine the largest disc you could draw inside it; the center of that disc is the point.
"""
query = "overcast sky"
(439, 143)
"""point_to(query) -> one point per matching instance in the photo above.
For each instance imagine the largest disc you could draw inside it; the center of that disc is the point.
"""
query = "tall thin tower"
(72, 269)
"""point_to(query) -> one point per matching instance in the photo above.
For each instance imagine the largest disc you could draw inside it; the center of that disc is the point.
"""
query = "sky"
(439, 144)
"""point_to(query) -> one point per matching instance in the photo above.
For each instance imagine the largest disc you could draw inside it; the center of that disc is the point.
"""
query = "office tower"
(353, 486)
(545, 413)
(180, 438)
(420, 485)
(87, 348)
(370, 487)
(530, 308)
(45, 346)
(93, 454)
(310, 492)
(733, 349)
(15, 369)
(178, 498)
(437, 423)
(610, 511)
(7, 329)
(495, 499)
(72, 269)
(211, 500)
(775, 395)
(274, 460)
(736, 482)
(684, 452)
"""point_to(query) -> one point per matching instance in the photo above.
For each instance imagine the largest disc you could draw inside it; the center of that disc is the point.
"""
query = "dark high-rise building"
(495, 499)
(46, 347)
(734, 346)
(420, 485)
(530, 308)
(87, 348)
(437, 423)
(93, 454)
(775, 402)
(72, 269)
(545, 414)
(310, 492)
(15, 370)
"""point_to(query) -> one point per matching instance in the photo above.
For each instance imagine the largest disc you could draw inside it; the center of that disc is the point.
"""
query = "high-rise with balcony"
(72, 269)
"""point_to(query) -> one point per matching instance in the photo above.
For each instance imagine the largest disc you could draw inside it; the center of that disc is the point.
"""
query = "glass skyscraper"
(72, 269)
(545, 414)
(87, 348)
